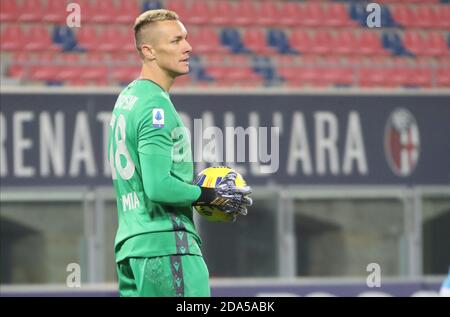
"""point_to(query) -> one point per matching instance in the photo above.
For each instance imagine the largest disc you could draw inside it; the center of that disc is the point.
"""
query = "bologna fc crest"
(402, 142)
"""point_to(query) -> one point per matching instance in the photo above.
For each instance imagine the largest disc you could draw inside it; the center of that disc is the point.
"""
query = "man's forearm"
(160, 186)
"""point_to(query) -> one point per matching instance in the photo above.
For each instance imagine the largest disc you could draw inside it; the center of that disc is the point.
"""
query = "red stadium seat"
(49, 57)
(353, 60)
(443, 77)
(291, 13)
(240, 74)
(22, 57)
(110, 39)
(237, 72)
(214, 60)
(69, 68)
(124, 74)
(87, 37)
(94, 73)
(102, 11)
(179, 6)
(345, 43)
(221, 13)
(95, 58)
(127, 42)
(443, 17)
(182, 81)
(239, 61)
(55, 11)
(268, 14)
(285, 60)
(45, 69)
(400, 77)
(414, 42)
(88, 11)
(336, 75)
(337, 15)
(198, 12)
(255, 40)
(310, 76)
(244, 13)
(313, 14)
(38, 39)
(400, 73)
(301, 40)
(135, 58)
(345, 76)
(437, 46)
(12, 38)
(30, 11)
(17, 71)
(425, 16)
(409, 77)
(119, 57)
(304, 72)
(420, 74)
(374, 77)
(127, 12)
(422, 77)
(403, 15)
(427, 44)
(368, 43)
(289, 73)
(322, 42)
(218, 72)
(42, 72)
(206, 41)
(9, 11)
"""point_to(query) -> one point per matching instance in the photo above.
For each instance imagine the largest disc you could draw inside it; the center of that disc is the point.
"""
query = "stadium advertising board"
(61, 139)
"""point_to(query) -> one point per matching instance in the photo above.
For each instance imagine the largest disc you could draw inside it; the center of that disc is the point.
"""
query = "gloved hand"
(226, 196)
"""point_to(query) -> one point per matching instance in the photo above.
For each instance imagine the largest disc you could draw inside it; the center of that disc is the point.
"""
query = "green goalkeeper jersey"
(152, 171)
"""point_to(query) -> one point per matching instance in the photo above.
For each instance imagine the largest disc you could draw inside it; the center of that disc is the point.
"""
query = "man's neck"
(156, 74)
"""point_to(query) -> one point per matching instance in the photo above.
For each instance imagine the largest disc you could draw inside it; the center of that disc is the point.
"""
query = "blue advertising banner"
(61, 139)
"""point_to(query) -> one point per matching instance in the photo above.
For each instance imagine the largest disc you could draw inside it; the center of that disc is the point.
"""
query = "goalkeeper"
(157, 246)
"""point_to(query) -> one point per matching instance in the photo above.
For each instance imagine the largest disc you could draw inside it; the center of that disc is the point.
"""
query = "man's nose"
(188, 47)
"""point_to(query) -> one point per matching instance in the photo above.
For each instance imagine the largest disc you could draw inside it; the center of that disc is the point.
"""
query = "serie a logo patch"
(158, 118)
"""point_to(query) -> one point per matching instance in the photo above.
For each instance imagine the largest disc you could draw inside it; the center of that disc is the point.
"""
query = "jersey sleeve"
(154, 129)
(154, 142)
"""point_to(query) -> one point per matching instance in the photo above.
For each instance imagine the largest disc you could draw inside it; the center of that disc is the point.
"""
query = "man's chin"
(178, 74)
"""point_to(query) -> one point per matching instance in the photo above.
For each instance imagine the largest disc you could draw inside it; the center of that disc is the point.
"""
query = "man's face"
(171, 47)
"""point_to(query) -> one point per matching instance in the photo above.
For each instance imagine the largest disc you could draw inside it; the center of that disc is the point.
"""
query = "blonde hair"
(146, 19)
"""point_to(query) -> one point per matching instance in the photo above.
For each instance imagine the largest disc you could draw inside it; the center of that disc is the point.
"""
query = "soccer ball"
(210, 178)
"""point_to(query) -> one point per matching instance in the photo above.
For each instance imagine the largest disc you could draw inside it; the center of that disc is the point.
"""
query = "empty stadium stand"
(235, 43)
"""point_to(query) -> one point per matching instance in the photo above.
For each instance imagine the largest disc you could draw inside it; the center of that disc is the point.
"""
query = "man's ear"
(148, 52)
